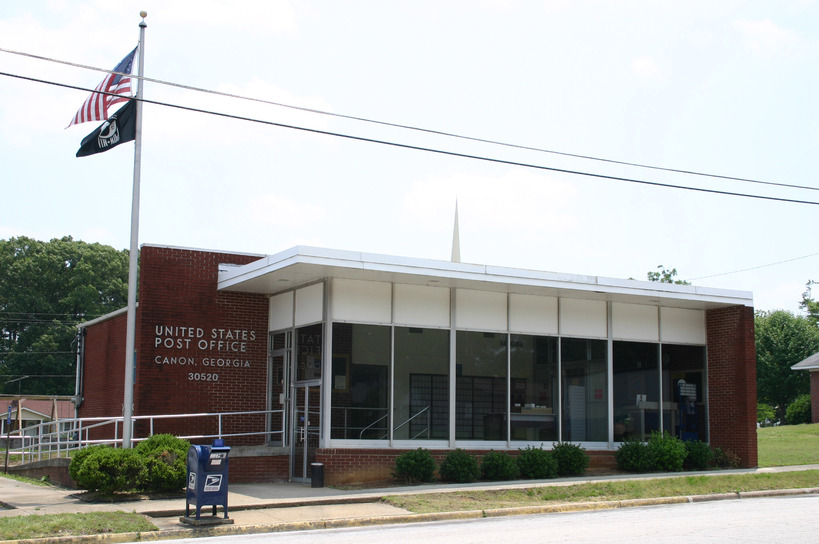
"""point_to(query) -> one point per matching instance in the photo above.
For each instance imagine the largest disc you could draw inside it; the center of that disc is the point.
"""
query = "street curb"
(225, 530)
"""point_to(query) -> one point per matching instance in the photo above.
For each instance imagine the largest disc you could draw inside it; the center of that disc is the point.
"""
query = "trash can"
(316, 474)
(207, 477)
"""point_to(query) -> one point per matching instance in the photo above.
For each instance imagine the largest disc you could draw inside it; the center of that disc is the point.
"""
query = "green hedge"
(156, 464)
(536, 464)
(414, 466)
(109, 470)
(459, 466)
(667, 453)
(799, 411)
(499, 465)
(166, 459)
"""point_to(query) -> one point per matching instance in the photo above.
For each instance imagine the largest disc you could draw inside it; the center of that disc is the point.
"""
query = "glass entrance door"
(278, 388)
(306, 427)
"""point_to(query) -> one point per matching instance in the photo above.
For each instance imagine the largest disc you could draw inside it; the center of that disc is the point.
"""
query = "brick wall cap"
(102, 318)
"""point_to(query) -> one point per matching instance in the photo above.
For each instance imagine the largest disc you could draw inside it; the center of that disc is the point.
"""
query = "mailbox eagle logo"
(213, 482)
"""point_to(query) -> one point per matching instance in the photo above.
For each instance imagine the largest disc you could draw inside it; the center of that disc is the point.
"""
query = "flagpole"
(133, 257)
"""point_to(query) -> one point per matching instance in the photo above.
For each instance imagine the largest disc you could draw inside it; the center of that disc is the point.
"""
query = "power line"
(49, 313)
(756, 267)
(36, 352)
(431, 150)
(410, 127)
(38, 376)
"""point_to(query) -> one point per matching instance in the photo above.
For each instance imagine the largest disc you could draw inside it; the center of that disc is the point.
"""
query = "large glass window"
(421, 384)
(360, 381)
(684, 391)
(534, 388)
(585, 390)
(636, 390)
(481, 386)
(308, 355)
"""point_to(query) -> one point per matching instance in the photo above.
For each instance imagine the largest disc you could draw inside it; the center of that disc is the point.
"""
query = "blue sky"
(722, 87)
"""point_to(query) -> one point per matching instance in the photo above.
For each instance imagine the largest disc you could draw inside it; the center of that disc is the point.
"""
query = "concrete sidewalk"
(288, 506)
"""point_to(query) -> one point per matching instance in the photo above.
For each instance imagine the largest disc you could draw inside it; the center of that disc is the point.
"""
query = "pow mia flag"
(119, 128)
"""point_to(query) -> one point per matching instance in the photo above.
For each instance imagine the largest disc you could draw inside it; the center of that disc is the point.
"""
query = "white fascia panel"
(480, 310)
(583, 318)
(533, 314)
(635, 322)
(281, 312)
(361, 301)
(420, 306)
(678, 325)
(309, 304)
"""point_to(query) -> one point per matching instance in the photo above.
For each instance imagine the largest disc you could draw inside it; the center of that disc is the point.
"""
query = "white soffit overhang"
(302, 265)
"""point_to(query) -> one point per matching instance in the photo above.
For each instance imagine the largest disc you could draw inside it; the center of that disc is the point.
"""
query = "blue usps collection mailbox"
(207, 477)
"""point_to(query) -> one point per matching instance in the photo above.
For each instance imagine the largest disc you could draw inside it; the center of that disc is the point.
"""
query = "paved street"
(769, 520)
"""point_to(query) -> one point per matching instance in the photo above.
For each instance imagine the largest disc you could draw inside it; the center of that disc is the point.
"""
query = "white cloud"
(767, 38)
(647, 68)
(165, 123)
(769, 296)
(276, 210)
(259, 15)
(510, 202)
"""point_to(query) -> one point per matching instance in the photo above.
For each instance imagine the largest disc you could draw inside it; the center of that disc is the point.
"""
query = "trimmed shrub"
(572, 460)
(165, 459)
(725, 458)
(108, 470)
(699, 455)
(499, 465)
(536, 464)
(414, 466)
(798, 411)
(633, 456)
(459, 466)
(77, 460)
(667, 452)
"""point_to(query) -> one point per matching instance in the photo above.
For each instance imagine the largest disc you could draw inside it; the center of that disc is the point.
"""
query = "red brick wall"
(814, 396)
(259, 469)
(345, 466)
(103, 380)
(732, 381)
(221, 337)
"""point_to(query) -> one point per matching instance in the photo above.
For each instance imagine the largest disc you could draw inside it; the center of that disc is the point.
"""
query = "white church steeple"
(456, 239)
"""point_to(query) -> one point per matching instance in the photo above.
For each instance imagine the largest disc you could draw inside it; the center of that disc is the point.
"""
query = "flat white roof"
(303, 265)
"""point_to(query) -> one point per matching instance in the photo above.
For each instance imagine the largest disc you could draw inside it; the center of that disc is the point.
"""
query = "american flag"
(95, 107)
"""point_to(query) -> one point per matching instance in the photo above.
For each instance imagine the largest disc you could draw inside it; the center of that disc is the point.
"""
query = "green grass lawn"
(54, 525)
(613, 490)
(788, 445)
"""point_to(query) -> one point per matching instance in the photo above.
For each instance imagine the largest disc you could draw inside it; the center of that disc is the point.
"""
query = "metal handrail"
(371, 425)
(408, 420)
(69, 433)
(416, 414)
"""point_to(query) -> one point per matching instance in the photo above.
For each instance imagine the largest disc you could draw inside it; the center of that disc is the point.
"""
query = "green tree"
(46, 289)
(809, 305)
(782, 340)
(662, 275)
(764, 413)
